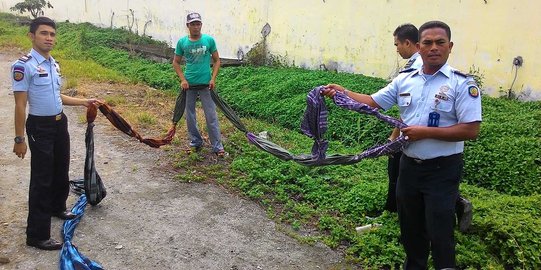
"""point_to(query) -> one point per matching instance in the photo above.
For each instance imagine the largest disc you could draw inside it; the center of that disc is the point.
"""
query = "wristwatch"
(19, 139)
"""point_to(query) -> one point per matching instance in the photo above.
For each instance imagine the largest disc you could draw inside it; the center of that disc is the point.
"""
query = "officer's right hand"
(330, 90)
(415, 133)
(20, 149)
(93, 102)
(336, 87)
(184, 85)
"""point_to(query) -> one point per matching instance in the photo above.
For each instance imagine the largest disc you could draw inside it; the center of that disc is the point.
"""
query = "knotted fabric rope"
(70, 257)
(180, 106)
(93, 186)
(313, 125)
(125, 127)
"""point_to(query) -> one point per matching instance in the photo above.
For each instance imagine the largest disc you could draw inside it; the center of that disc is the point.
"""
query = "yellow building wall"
(343, 35)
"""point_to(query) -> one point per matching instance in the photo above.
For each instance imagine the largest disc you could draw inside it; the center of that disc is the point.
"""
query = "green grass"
(146, 119)
(74, 65)
(88, 70)
(115, 100)
(12, 35)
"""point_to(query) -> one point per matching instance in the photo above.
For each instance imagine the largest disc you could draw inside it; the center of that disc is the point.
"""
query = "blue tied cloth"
(70, 257)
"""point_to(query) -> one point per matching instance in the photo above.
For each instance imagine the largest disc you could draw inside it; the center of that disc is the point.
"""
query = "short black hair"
(41, 21)
(407, 31)
(435, 24)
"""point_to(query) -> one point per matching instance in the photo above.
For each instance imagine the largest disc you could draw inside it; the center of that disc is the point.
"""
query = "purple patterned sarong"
(314, 125)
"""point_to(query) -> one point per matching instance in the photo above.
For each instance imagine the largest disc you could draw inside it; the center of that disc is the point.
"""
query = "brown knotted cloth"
(123, 125)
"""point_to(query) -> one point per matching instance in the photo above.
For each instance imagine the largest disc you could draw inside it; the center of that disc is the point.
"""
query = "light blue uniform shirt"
(40, 78)
(452, 94)
(415, 61)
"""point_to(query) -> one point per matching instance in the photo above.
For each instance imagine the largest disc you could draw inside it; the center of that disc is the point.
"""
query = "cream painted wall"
(345, 35)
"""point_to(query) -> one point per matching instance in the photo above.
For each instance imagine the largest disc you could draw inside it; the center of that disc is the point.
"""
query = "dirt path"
(148, 220)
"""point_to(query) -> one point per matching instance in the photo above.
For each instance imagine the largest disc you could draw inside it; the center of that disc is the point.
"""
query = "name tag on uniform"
(404, 99)
(433, 119)
(43, 75)
(442, 97)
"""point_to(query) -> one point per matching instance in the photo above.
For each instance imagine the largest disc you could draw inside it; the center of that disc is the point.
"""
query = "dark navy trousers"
(393, 165)
(426, 195)
(49, 143)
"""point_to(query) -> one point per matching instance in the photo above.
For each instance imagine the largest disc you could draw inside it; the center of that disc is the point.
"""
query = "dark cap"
(193, 17)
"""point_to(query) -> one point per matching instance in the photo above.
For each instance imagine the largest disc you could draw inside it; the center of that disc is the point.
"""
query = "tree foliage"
(35, 7)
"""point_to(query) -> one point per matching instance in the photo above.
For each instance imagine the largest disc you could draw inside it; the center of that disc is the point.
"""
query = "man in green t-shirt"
(198, 80)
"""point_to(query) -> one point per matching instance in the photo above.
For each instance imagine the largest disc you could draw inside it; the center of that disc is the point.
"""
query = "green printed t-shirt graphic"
(198, 54)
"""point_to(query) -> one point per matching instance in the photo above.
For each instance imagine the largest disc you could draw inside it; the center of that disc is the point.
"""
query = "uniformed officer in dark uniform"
(36, 81)
(442, 108)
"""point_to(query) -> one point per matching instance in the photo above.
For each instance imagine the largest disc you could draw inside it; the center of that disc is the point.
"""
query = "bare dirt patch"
(148, 220)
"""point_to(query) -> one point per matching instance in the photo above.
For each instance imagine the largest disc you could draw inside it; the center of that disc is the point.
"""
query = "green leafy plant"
(259, 55)
(477, 75)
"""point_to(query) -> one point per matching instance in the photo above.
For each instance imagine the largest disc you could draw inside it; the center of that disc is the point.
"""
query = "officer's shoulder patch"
(473, 91)
(18, 73)
(463, 74)
(408, 70)
(25, 58)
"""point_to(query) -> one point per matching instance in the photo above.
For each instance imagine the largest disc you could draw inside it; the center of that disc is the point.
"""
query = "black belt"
(57, 117)
(198, 87)
(433, 161)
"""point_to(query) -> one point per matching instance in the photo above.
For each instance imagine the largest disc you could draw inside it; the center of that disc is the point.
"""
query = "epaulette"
(25, 58)
(407, 70)
(461, 73)
(410, 63)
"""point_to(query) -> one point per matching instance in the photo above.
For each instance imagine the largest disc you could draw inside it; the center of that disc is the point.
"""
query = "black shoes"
(65, 215)
(464, 214)
(49, 244)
